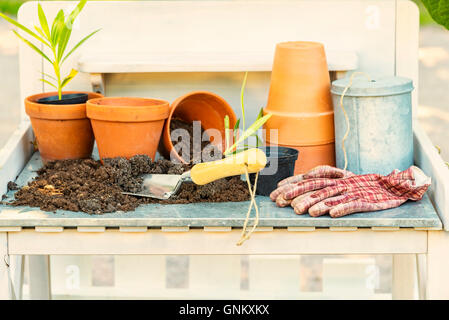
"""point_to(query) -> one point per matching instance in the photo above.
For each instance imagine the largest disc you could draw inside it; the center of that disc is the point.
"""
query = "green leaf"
(79, 43)
(49, 83)
(439, 10)
(49, 76)
(242, 92)
(39, 30)
(66, 30)
(75, 13)
(56, 27)
(251, 130)
(22, 27)
(72, 74)
(259, 141)
(260, 115)
(33, 47)
(237, 124)
(236, 130)
(63, 40)
(43, 21)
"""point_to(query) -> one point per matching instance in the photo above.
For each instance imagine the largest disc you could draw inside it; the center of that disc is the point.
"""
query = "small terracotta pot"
(300, 102)
(203, 106)
(125, 127)
(62, 131)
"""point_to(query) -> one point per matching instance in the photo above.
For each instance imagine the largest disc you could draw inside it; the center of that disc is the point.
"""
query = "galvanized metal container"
(380, 124)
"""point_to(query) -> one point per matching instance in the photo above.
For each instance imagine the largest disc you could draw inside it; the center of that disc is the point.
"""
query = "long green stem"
(57, 73)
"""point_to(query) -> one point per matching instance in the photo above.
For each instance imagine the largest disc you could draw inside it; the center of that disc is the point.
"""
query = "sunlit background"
(433, 115)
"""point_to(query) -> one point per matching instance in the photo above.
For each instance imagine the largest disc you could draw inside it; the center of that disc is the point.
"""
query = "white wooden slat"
(133, 229)
(49, 229)
(421, 266)
(262, 229)
(15, 154)
(437, 265)
(405, 281)
(217, 229)
(342, 229)
(428, 159)
(274, 275)
(91, 229)
(428, 228)
(300, 229)
(5, 292)
(17, 268)
(280, 241)
(10, 229)
(385, 228)
(175, 229)
(197, 62)
(112, 293)
(39, 277)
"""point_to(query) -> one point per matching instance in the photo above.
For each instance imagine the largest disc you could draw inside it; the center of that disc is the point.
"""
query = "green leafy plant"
(439, 11)
(251, 131)
(55, 37)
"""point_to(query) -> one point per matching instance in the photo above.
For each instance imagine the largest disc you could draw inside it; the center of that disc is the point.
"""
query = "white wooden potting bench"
(166, 49)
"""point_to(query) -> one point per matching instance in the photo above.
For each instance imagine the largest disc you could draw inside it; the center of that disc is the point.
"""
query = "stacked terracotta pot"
(300, 103)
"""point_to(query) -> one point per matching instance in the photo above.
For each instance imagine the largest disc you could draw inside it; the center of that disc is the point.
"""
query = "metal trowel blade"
(160, 186)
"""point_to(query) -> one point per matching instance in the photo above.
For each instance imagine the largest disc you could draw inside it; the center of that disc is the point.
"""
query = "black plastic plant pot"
(280, 165)
(72, 98)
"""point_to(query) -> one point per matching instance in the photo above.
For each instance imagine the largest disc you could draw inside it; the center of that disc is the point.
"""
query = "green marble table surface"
(419, 214)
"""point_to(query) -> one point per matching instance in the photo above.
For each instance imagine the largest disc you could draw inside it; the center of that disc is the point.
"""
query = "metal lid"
(364, 87)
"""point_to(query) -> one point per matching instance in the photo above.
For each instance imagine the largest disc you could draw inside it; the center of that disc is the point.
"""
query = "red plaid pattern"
(348, 193)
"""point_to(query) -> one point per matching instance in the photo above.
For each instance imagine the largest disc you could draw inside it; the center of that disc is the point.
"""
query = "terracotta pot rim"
(177, 102)
(127, 109)
(289, 145)
(56, 112)
(166, 131)
(300, 45)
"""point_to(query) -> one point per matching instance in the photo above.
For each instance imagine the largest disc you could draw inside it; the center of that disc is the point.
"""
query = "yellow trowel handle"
(253, 159)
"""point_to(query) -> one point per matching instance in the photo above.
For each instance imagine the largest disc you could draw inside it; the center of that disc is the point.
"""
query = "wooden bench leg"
(421, 265)
(404, 276)
(16, 272)
(438, 265)
(5, 288)
(39, 267)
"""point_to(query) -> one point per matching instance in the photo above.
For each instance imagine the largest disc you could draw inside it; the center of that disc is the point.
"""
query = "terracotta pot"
(62, 131)
(125, 127)
(203, 106)
(300, 102)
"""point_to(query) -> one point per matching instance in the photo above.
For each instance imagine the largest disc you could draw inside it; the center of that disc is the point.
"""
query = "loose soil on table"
(193, 148)
(88, 186)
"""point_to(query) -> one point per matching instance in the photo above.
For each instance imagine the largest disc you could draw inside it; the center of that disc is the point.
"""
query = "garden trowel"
(163, 186)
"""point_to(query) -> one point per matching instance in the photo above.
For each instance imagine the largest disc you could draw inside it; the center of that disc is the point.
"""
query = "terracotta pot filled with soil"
(62, 131)
(125, 127)
(203, 106)
(95, 188)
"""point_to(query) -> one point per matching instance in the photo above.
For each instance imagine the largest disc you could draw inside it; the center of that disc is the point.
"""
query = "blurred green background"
(12, 6)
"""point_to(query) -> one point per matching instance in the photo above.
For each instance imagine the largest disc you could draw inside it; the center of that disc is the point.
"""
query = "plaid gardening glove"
(370, 192)
(319, 172)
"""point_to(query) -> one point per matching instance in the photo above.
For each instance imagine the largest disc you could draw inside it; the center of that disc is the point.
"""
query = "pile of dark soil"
(88, 186)
(194, 149)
